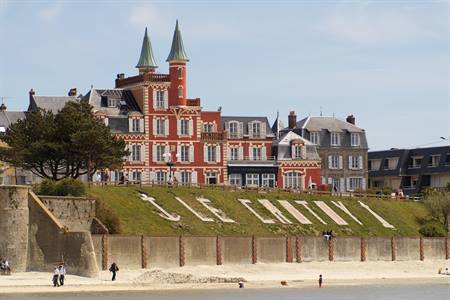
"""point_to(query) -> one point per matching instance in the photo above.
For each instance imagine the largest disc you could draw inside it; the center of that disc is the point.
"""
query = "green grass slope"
(140, 217)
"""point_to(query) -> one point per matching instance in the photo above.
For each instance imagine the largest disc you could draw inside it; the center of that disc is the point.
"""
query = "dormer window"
(111, 102)
(297, 152)
(180, 73)
(256, 129)
(354, 138)
(136, 125)
(180, 92)
(314, 138)
(335, 139)
(233, 129)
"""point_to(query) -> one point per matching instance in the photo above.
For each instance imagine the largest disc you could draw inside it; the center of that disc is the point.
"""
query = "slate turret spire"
(177, 52)
(146, 60)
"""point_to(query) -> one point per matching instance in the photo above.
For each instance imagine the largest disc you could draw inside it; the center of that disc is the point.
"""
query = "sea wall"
(169, 251)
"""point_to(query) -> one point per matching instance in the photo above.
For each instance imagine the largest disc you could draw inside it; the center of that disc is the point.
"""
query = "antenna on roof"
(321, 111)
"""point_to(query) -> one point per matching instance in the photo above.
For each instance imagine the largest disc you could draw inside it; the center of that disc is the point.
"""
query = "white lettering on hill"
(294, 212)
(217, 212)
(275, 211)
(382, 221)
(246, 203)
(197, 214)
(340, 205)
(163, 213)
(305, 205)
(329, 212)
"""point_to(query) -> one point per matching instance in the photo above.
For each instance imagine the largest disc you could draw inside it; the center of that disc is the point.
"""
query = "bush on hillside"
(432, 229)
(65, 187)
(107, 216)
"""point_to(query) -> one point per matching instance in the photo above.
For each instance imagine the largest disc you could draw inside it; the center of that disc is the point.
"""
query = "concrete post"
(288, 249)
(218, 251)
(254, 250)
(363, 249)
(447, 248)
(104, 252)
(422, 254)
(394, 248)
(143, 252)
(182, 254)
(331, 244)
(298, 248)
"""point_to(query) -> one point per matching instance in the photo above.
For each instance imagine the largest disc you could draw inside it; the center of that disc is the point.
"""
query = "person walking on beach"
(62, 274)
(114, 269)
(56, 277)
(320, 280)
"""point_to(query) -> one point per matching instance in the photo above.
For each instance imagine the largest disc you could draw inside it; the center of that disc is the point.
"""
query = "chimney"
(292, 119)
(72, 92)
(120, 76)
(31, 92)
(351, 119)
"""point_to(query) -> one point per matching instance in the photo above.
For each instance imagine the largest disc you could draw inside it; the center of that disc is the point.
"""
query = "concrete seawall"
(145, 252)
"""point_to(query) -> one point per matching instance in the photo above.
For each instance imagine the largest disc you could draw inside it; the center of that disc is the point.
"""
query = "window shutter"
(194, 177)
(249, 128)
(350, 162)
(191, 153)
(178, 126)
(263, 153)
(330, 164)
(166, 127)
(141, 125)
(342, 184)
(130, 125)
(191, 127)
(130, 148)
(154, 153)
(218, 158)
(227, 128)
(241, 153)
(143, 157)
(166, 99)
(360, 164)
(166, 150)
(154, 98)
(178, 153)
(214, 127)
(348, 183)
(263, 129)
(250, 153)
(154, 125)
(205, 153)
(292, 151)
(341, 164)
(241, 129)
(228, 153)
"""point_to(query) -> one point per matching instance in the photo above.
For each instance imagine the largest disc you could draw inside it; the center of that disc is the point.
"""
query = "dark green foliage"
(65, 187)
(438, 204)
(107, 216)
(68, 144)
(432, 229)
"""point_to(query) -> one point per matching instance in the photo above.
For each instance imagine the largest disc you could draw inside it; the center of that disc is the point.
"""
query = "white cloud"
(148, 15)
(3, 6)
(52, 11)
(370, 26)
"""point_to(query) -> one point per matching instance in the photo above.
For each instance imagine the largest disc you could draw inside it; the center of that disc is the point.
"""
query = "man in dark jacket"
(114, 269)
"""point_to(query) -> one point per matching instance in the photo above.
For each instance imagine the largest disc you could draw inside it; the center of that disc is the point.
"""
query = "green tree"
(68, 144)
(438, 203)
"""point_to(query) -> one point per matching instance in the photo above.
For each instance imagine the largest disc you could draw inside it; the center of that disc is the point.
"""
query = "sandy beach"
(255, 276)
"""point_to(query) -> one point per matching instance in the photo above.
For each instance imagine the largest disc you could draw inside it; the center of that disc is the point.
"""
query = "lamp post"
(170, 163)
(445, 138)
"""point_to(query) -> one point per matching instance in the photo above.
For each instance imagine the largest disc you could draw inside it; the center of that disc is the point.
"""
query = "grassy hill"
(140, 217)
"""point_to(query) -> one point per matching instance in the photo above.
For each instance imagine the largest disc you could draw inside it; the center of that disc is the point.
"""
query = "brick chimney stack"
(292, 120)
(72, 92)
(351, 119)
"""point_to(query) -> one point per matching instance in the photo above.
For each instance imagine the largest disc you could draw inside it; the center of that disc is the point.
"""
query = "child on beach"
(320, 280)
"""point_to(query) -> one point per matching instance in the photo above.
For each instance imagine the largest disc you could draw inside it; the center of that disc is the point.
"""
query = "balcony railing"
(193, 102)
(157, 77)
(213, 136)
(268, 158)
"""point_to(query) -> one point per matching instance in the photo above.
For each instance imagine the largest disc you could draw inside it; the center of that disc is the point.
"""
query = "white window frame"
(184, 126)
(161, 177)
(161, 126)
(355, 183)
(256, 130)
(185, 177)
(256, 153)
(235, 179)
(180, 91)
(160, 100)
(208, 127)
(233, 129)
(354, 162)
(160, 151)
(268, 180)
(335, 139)
(184, 153)
(314, 137)
(334, 162)
(211, 153)
(252, 179)
(112, 102)
(355, 139)
(292, 180)
(435, 160)
(234, 153)
(136, 152)
(136, 175)
(136, 125)
(297, 152)
(180, 72)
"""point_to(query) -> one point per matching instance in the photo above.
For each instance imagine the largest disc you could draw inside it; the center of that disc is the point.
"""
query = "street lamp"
(170, 163)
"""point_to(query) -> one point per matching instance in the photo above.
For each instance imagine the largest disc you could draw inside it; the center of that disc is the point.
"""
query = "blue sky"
(386, 62)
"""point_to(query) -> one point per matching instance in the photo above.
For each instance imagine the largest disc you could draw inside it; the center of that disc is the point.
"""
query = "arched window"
(180, 91)
(180, 73)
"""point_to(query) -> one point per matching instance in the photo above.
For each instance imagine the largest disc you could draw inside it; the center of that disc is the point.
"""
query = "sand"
(255, 276)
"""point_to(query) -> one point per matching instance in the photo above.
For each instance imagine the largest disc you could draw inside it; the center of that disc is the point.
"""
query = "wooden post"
(394, 248)
(143, 252)
(298, 249)
(363, 249)
(288, 249)
(218, 251)
(421, 250)
(182, 254)
(104, 252)
(331, 243)
(447, 248)
(254, 250)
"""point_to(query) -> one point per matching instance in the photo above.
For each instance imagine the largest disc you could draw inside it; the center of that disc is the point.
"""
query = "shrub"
(65, 187)
(432, 229)
(107, 216)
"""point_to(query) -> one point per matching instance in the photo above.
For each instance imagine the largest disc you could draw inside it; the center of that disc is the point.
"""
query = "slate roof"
(50, 103)
(283, 149)
(331, 124)
(277, 125)
(177, 51)
(245, 121)
(9, 117)
(146, 60)
(124, 99)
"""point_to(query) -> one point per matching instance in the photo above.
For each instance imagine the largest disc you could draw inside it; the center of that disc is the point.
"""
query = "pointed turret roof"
(146, 60)
(177, 51)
